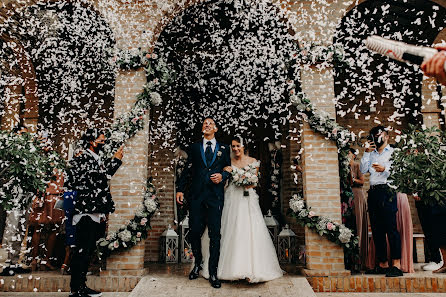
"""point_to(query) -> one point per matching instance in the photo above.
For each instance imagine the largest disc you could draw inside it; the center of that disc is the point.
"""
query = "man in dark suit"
(89, 176)
(205, 163)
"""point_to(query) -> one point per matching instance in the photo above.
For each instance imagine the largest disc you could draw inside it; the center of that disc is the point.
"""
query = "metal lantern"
(273, 226)
(186, 247)
(169, 246)
(286, 245)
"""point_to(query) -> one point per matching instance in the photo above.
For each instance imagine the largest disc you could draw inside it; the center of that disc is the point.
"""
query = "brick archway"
(28, 89)
(52, 112)
(352, 31)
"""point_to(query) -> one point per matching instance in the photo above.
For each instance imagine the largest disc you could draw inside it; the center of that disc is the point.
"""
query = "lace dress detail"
(247, 250)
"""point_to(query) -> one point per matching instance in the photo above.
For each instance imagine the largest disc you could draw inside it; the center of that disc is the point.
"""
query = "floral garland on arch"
(158, 75)
(135, 230)
(124, 128)
(337, 233)
(320, 121)
(319, 54)
(129, 123)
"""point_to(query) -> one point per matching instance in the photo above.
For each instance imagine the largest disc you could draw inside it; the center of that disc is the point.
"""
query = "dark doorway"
(375, 88)
(229, 59)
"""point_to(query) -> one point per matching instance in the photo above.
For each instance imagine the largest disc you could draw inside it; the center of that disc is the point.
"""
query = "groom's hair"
(209, 118)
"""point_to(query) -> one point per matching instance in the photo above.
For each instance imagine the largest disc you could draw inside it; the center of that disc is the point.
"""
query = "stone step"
(53, 281)
(411, 283)
(172, 286)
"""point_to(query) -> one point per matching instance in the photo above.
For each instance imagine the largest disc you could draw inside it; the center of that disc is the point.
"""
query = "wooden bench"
(418, 246)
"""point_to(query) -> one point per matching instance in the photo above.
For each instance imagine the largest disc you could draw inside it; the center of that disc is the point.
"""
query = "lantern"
(169, 246)
(273, 226)
(286, 245)
(186, 248)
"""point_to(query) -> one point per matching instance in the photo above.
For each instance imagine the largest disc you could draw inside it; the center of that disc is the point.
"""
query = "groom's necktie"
(208, 153)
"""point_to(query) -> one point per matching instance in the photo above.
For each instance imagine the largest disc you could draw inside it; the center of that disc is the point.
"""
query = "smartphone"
(371, 138)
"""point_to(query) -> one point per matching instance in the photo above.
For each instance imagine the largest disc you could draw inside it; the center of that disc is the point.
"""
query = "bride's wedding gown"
(247, 250)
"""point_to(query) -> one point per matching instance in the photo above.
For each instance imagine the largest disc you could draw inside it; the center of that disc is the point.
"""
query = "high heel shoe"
(33, 265)
(46, 265)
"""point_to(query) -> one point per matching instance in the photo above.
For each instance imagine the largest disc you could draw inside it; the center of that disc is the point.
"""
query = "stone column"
(128, 184)
(321, 178)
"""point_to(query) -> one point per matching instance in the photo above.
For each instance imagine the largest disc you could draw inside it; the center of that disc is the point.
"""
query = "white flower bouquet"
(245, 178)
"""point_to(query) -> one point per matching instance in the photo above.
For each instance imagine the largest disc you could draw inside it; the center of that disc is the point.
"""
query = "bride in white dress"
(247, 250)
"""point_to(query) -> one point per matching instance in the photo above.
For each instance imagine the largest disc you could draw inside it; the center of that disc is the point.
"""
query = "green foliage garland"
(26, 165)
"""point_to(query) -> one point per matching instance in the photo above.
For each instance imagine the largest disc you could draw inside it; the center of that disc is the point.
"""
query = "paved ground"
(27, 294)
(318, 295)
(378, 294)
(172, 281)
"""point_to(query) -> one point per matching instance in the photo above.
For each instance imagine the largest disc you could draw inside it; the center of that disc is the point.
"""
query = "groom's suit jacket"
(202, 187)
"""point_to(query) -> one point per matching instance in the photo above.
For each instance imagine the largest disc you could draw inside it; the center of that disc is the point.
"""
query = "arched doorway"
(375, 89)
(54, 56)
(67, 45)
(230, 62)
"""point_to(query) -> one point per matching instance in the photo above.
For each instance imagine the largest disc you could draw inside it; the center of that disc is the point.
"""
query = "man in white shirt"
(382, 202)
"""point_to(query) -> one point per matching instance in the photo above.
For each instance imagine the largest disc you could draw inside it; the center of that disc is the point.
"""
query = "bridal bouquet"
(245, 178)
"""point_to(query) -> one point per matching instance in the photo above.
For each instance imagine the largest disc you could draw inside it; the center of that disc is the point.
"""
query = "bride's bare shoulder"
(252, 160)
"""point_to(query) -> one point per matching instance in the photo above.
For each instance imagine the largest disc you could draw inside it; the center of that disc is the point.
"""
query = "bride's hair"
(242, 143)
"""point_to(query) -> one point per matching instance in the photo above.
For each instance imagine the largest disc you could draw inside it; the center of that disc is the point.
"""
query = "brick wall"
(161, 169)
(292, 179)
(321, 176)
(127, 185)
(139, 25)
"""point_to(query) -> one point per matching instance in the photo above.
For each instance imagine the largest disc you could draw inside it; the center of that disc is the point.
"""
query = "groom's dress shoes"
(215, 282)
(195, 272)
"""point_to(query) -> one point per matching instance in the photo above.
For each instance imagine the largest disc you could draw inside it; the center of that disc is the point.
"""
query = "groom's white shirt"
(213, 145)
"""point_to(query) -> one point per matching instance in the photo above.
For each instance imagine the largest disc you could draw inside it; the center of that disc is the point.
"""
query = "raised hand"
(434, 67)
(180, 198)
(228, 169)
(119, 153)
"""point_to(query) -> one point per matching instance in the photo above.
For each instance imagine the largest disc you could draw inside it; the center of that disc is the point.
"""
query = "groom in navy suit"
(205, 162)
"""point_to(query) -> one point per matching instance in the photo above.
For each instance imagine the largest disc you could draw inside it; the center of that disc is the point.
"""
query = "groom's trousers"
(202, 214)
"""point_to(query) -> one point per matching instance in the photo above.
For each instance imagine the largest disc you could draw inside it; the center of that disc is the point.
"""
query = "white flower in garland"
(125, 235)
(140, 212)
(133, 225)
(150, 204)
(111, 236)
(296, 203)
(155, 98)
(345, 234)
(111, 246)
(322, 224)
(303, 213)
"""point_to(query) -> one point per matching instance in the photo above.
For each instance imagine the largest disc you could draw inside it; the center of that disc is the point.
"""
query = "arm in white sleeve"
(365, 163)
(387, 164)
